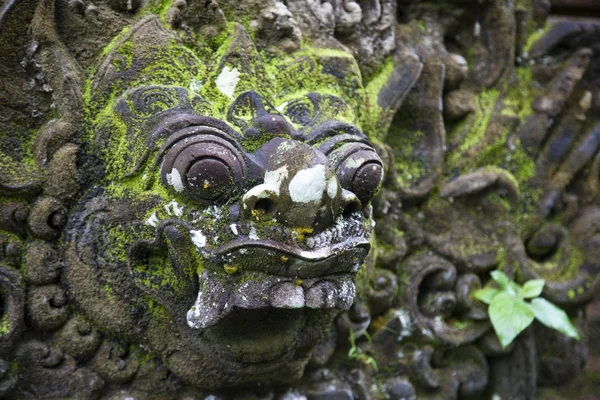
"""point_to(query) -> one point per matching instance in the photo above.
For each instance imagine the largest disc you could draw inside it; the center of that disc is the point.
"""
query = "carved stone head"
(299, 198)
(233, 210)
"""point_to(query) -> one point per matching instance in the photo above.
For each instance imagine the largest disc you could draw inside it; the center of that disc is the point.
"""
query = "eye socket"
(359, 169)
(204, 167)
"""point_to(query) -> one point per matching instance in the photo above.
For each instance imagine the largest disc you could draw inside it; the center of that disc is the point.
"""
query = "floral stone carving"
(290, 199)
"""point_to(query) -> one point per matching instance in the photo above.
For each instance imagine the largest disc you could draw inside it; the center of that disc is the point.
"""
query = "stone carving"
(290, 199)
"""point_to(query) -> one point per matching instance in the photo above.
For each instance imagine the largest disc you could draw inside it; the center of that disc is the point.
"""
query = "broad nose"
(304, 195)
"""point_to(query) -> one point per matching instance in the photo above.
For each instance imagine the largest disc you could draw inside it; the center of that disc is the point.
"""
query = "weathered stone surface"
(291, 200)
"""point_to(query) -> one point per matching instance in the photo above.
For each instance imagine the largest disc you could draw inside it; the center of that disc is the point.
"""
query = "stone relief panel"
(291, 199)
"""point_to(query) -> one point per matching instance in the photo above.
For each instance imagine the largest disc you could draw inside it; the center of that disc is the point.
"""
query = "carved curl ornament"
(290, 199)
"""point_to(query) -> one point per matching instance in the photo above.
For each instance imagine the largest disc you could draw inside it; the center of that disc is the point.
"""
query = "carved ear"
(385, 97)
(42, 79)
(63, 72)
(21, 107)
(145, 55)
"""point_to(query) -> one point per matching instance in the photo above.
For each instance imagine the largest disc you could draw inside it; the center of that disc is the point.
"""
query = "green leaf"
(486, 295)
(505, 282)
(501, 278)
(509, 316)
(553, 317)
(532, 288)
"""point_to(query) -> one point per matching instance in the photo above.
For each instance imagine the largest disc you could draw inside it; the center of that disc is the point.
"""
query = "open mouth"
(254, 289)
(260, 283)
(258, 336)
(254, 316)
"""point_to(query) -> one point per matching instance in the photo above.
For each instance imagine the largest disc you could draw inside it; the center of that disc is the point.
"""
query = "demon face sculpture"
(290, 199)
(227, 238)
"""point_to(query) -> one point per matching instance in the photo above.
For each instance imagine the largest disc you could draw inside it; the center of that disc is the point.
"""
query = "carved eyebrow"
(168, 126)
(334, 128)
(329, 145)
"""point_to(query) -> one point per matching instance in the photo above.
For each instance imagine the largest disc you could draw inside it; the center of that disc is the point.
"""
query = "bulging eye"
(204, 167)
(359, 169)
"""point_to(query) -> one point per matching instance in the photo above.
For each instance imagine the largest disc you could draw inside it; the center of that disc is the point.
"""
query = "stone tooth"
(286, 295)
(319, 238)
(322, 294)
(318, 241)
(252, 293)
(310, 242)
(349, 229)
(346, 291)
(352, 229)
(327, 237)
(337, 234)
(212, 303)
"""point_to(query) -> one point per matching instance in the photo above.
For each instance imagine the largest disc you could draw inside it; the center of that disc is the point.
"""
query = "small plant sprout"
(510, 313)
(356, 353)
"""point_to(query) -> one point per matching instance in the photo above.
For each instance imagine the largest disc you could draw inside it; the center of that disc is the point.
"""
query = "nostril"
(350, 203)
(351, 208)
(264, 206)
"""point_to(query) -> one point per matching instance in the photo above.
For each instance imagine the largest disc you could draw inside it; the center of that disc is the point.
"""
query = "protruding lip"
(288, 260)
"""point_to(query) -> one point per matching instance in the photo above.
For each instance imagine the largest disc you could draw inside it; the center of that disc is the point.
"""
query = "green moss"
(373, 118)
(412, 163)
(108, 48)
(485, 104)
(159, 312)
(157, 7)
(538, 34)
(478, 149)
(4, 324)
(520, 95)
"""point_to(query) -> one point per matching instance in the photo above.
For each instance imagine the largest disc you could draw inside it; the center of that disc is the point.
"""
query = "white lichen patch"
(253, 234)
(194, 313)
(406, 322)
(213, 212)
(332, 188)
(198, 238)
(195, 86)
(227, 81)
(459, 60)
(308, 184)
(173, 208)
(270, 187)
(316, 254)
(174, 179)
(284, 147)
(347, 290)
(153, 220)
(274, 179)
